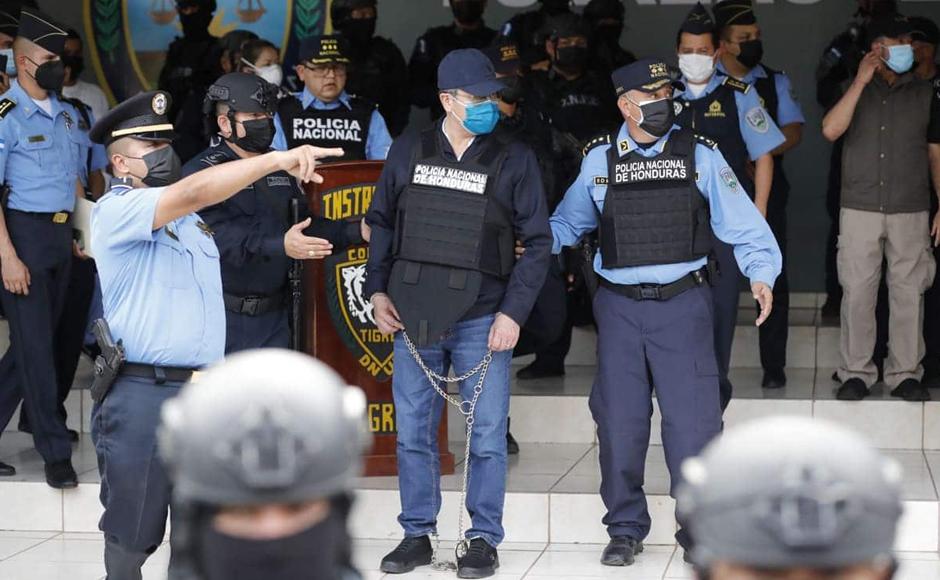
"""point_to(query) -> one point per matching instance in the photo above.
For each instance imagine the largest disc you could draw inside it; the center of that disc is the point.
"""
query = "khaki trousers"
(866, 239)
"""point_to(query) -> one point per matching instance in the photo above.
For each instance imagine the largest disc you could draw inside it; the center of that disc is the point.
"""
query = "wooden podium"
(338, 325)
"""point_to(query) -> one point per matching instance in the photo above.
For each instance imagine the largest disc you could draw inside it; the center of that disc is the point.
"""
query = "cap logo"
(509, 52)
(158, 104)
(658, 69)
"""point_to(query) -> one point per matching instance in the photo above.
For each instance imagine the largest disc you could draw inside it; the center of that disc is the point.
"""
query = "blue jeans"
(418, 413)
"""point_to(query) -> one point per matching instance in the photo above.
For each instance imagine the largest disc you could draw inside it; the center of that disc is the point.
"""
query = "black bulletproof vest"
(447, 214)
(716, 116)
(654, 212)
(767, 91)
(339, 127)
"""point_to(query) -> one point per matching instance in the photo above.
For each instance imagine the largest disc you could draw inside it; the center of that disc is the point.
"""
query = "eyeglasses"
(323, 70)
(471, 100)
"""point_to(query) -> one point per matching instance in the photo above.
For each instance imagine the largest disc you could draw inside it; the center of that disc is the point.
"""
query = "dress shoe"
(774, 379)
(61, 475)
(408, 555)
(621, 551)
(540, 370)
(852, 390)
(7, 470)
(480, 561)
(911, 390)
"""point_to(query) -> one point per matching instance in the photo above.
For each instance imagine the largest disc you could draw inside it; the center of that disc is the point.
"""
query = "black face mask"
(467, 12)
(513, 92)
(74, 63)
(312, 553)
(572, 58)
(163, 167)
(359, 31)
(259, 134)
(752, 52)
(196, 25)
(554, 7)
(50, 75)
(658, 117)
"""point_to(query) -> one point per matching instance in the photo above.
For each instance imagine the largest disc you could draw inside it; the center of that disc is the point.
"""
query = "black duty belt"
(58, 217)
(253, 305)
(660, 292)
(159, 375)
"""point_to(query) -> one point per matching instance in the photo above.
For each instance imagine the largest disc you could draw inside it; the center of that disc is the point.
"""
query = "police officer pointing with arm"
(253, 229)
(658, 194)
(162, 290)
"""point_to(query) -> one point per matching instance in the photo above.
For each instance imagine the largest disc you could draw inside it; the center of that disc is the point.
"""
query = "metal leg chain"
(467, 409)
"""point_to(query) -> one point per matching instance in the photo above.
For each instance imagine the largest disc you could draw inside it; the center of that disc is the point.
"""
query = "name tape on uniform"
(306, 129)
(449, 178)
(651, 170)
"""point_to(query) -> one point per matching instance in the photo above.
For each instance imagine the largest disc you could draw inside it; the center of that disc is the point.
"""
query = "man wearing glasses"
(324, 114)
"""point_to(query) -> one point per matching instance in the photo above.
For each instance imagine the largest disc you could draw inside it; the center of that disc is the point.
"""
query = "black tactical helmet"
(243, 93)
(341, 9)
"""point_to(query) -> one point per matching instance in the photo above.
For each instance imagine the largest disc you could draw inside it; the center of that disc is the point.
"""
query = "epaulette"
(6, 105)
(214, 158)
(737, 85)
(596, 142)
(710, 143)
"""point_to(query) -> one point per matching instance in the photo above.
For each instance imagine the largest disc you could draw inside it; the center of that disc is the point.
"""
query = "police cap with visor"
(326, 49)
(142, 116)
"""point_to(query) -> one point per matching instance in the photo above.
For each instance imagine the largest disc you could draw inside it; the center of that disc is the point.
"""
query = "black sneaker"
(61, 475)
(7, 470)
(621, 551)
(911, 390)
(540, 370)
(774, 379)
(852, 390)
(408, 555)
(480, 561)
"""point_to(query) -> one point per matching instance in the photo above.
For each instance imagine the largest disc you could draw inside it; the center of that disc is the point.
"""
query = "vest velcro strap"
(457, 280)
(412, 273)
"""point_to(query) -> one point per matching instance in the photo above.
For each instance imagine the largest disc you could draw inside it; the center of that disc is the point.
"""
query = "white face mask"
(271, 73)
(697, 68)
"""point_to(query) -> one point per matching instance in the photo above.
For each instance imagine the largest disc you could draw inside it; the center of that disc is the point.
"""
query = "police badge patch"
(757, 120)
(729, 179)
(158, 104)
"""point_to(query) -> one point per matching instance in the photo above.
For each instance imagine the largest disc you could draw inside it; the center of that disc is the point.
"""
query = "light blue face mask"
(481, 117)
(900, 58)
(11, 64)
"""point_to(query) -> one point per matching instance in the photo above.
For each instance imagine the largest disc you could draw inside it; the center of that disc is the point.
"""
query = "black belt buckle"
(649, 292)
(251, 305)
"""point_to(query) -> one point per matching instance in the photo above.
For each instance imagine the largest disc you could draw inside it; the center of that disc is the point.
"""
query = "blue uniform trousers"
(135, 489)
(268, 330)
(645, 345)
(28, 369)
(726, 293)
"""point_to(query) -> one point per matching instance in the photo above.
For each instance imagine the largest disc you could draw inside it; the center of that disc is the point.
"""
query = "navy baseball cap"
(647, 75)
(924, 30)
(469, 70)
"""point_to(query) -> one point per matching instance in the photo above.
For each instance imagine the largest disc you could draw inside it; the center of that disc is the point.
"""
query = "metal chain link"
(467, 409)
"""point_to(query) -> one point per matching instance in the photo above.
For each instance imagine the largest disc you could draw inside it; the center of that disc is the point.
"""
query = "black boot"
(621, 551)
(852, 390)
(61, 475)
(408, 555)
(774, 379)
(480, 561)
(512, 447)
(911, 390)
(7, 470)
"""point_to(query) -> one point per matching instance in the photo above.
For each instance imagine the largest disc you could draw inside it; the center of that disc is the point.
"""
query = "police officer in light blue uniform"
(42, 152)
(324, 114)
(741, 58)
(729, 112)
(162, 287)
(659, 194)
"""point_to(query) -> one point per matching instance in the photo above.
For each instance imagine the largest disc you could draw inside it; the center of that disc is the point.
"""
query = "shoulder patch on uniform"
(6, 105)
(729, 179)
(214, 158)
(710, 143)
(757, 119)
(737, 85)
(596, 142)
(600, 180)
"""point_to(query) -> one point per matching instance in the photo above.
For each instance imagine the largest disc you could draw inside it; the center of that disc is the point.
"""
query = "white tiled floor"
(36, 556)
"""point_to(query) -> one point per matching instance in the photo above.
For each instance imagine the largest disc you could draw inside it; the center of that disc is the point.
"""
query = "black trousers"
(28, 369)
(70, 332)
(775, 331)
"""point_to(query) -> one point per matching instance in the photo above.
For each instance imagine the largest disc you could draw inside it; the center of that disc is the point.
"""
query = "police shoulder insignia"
(757, 119)
(6, 105)
(710, 143)
(596, 142)
(729, 179)
(600, 180)
(737, 85)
